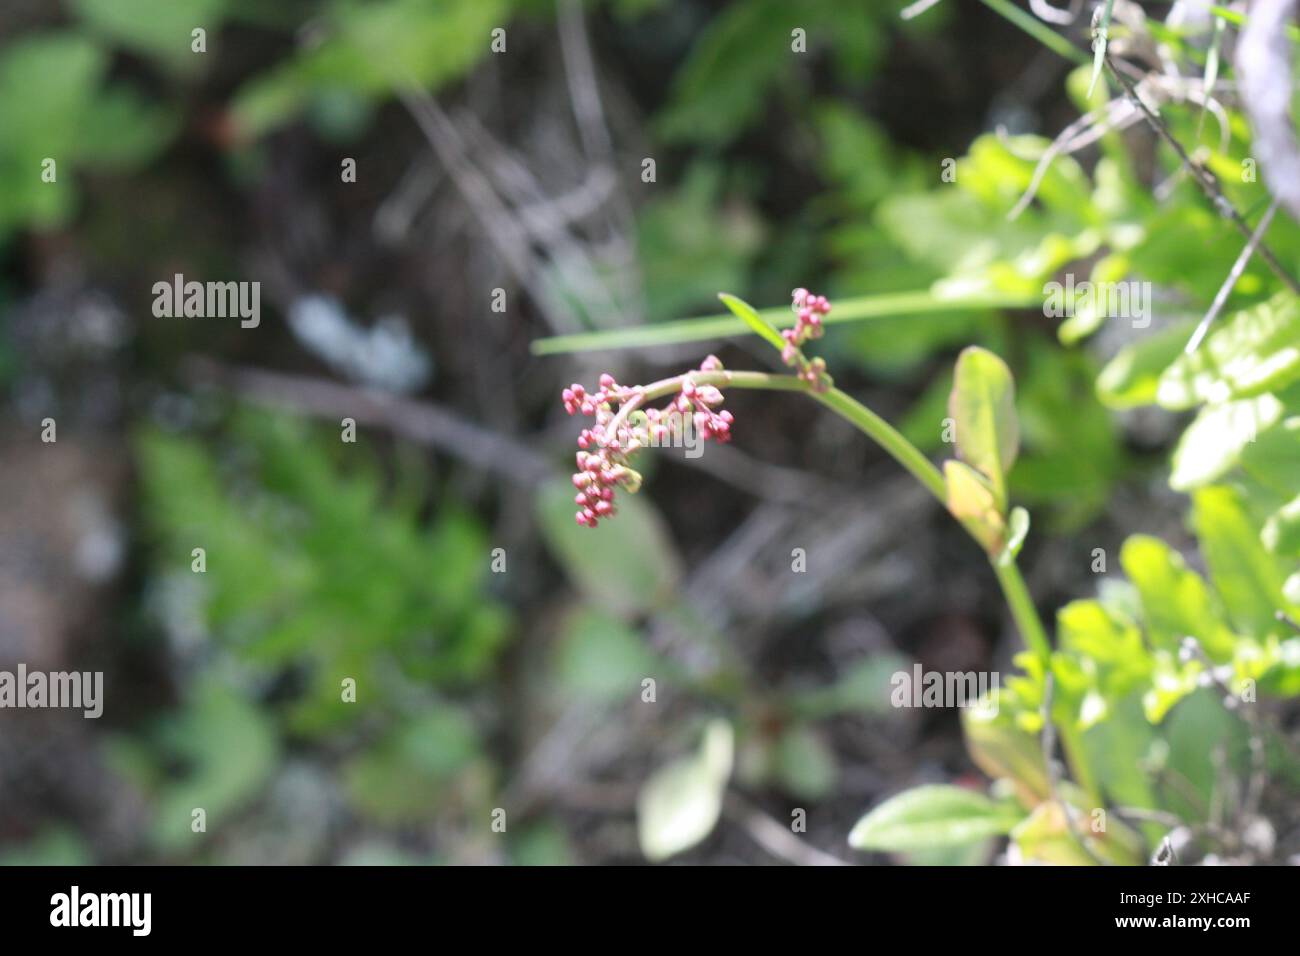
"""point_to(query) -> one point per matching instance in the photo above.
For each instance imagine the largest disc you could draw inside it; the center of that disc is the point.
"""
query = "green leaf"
(1256, 351)
(601, 659)
(972, 501)
(1281, 533)
(1046, 837)
(372, 49)
(1099, 42)
(1112, 644)
(1132, 377)
(1247, 577)
(1212, 445)
(983, 408)
(1175, 600)
(804, 764)
(230, 748)
(751, 318)
(680, 804)
(1001, 748)
(1017, 530)
(1272, 459)
(159, 28)
(932, 816)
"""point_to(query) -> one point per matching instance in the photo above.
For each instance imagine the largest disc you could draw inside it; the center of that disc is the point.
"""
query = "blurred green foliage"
(318, 572)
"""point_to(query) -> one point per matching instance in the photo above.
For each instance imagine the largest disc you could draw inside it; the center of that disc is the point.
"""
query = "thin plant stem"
(883, 434)
(1022, 608)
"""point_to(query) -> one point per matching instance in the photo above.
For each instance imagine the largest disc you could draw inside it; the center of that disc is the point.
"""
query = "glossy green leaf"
(1247, 577)
(1212, 445)
(680, 803)
(1003, 749)
(600, 658)
(745, 312)
(1017, 531)
(1255, 351)
(1132, 377)
(983, 408)
(932, 816)
(159, 28)
(1176, 602)
(1281, 533)
(973, 502)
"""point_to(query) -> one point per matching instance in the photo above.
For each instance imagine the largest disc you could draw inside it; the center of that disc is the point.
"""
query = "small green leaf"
(1002, 749)
(1247, 577)
(1102, 36)
(804, 764)
(983, 407)
(1175, 599)
(1132, 377)
(1281, 533)
(600, 658)
(746, 313)
(974, 503)
(1017, 529)
(1272, 459)
(1256, 351)
(1212, 445)
(680, 804)
(932, 816)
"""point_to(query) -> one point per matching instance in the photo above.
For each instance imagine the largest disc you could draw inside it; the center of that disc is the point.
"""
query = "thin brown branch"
(1204, 178)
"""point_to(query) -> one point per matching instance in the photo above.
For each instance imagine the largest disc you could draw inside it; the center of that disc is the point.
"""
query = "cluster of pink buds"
(809, 310)
(605, 449)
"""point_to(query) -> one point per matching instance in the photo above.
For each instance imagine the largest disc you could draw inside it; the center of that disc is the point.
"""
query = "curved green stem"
(1022, 608)
(892, 441)
(888, 438)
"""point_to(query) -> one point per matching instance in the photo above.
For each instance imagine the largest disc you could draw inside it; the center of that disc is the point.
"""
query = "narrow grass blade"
(1037, 29)
(885, 306)
(1240, 20)
(746, 313)
(1101, 36)
(1211, 71)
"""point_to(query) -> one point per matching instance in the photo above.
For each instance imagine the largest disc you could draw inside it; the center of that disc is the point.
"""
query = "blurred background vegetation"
(513, 678)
